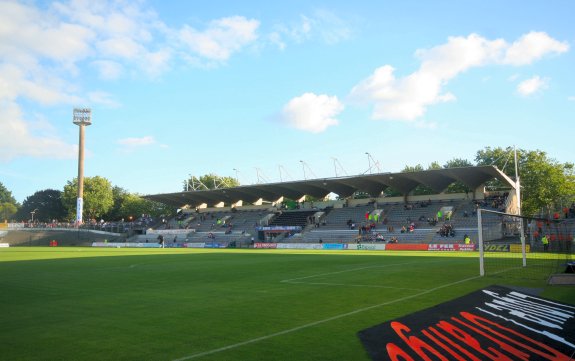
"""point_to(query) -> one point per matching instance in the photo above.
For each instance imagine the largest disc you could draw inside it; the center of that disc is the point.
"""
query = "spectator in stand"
(545, 243)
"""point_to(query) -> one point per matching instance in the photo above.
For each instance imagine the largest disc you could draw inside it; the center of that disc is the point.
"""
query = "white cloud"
(43, 50)
(531, 47)
(103, 98)
(108, 70)
(276, 39)
(137, 142)
(331, 27)
(221, 39)
(28, 32)
(421, 124)
(311, 112)
(408, 98)
(571, 98)
(33, 83)
(322, 24)
(532, 85)
(28, 139)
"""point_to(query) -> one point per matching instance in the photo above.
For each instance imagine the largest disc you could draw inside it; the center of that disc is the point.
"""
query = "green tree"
(209, 181)
(457, 163)
(421, 189)
(457, 187)
(46, 205)
(502, 158)
(115, 213)
(545, 183)
(98, 197)
(6, 195)
(8, 204)
(133, 206)
(391, 192)
(7, 211)
(409, 168)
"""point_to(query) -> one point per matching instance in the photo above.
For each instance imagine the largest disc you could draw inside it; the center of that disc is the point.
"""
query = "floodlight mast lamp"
(82, 117)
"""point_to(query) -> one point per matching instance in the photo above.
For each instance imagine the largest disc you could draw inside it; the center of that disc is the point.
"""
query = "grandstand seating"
(292, 218)
(332, 225)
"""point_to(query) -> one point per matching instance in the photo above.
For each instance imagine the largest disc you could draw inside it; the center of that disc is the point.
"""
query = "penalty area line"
(353, 270)
(319, 322)
(353, 285)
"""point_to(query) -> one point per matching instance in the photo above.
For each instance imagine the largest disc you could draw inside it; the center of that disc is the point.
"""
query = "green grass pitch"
(71, 303)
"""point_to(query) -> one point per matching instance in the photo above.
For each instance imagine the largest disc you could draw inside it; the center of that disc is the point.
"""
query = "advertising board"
(367, 247)
(266, 245)
(496, 248)
(406, 247)
(334, 246)
(194, 245)
(299, 246)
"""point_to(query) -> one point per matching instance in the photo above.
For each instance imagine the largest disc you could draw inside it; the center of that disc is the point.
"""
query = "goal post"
(494, 235)
(525, 247)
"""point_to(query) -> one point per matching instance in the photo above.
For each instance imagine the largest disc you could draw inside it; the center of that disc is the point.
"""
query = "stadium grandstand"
(280, 212)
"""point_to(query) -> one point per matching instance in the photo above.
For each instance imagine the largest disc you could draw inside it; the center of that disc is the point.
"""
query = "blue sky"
(182, 87)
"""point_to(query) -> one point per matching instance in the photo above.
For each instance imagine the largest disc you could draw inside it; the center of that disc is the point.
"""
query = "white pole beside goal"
(480, 240)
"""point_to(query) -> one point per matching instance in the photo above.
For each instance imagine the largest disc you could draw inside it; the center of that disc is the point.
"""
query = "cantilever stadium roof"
(373, 184)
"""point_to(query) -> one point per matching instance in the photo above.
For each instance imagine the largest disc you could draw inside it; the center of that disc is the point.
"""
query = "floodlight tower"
(82, 118)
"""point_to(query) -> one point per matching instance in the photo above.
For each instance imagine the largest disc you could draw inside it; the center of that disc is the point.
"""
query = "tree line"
(546, 185)
(102, 200)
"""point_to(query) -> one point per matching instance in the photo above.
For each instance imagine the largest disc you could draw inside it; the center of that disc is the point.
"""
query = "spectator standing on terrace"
(545, 242)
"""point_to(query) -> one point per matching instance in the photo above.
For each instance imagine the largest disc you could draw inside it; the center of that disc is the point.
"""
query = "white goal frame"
(481, 242)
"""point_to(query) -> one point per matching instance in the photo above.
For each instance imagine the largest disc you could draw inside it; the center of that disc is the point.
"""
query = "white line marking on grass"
(354, 285)
(351, 270)
(284, 332)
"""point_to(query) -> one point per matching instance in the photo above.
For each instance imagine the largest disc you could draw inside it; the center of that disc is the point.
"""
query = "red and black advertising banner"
(495, 323)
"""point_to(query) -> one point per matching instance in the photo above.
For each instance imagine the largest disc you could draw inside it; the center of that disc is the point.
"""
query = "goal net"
(514, 246)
